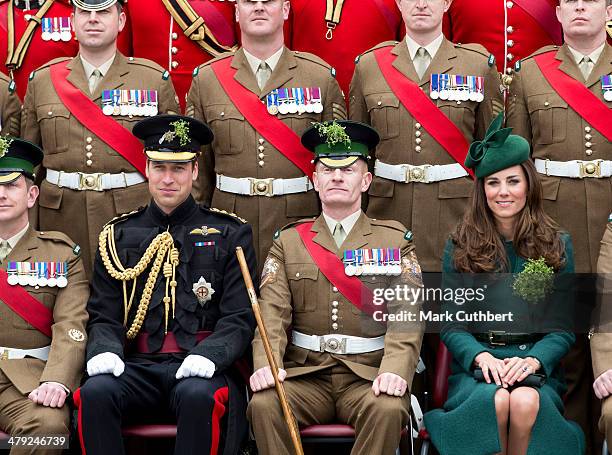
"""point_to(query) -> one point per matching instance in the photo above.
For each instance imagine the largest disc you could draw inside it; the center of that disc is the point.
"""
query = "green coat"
(468, 423)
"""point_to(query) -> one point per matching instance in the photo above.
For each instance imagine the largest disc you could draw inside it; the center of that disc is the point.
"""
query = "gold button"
(510, 43)
(261, 141)
(261, 156)
(510, 29)
(587, 129)
(509, 70)
(89, 154)
(50, 113)
(334, 310)
(335, 289)
(417, 149)
(297, 274)
(222, 114)
(509, 57)
(589, 152)
(262, 187)
(588, 145)
(261, 148)
(174, 35)
(590, 168)
(88, 163)
(334, 317)
(458, 102)
(418, 140)
(546, 103)
(335, 326)
(174, 64)
(174, 50)
(379, 103)
(509, 4)
(588, 137)
(417, 133)
(417, 125)
(88, 147)
(261, 163)
(335, 303)
(89, 139)
(90, 181)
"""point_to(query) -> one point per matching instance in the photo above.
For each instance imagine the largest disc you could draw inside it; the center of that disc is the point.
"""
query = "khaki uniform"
(18, 377)
(325, 387)
(556, 132)
(431, 210)
(70, 147)
(580, 206)
(239, 150)
(10, 107)
(601, 341)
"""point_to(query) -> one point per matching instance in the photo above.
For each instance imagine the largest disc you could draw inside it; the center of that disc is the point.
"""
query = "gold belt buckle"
(590, 169)
(333, 345)
(5, 354)
(416, 173)
(92, 182)
(262, 187)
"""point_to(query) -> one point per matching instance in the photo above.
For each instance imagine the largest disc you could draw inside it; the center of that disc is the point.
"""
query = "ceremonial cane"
(280, 390)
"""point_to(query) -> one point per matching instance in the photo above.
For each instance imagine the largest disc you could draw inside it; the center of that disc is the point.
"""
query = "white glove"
(196, 365)
(105, 363)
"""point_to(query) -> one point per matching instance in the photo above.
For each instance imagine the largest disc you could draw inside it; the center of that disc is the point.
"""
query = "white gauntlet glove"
(105, 363)
(195, 365)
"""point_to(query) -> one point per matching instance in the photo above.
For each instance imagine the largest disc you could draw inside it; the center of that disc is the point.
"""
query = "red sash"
(21, 302)
(580, 98)
(90, 115)
(333, 268)
(423, 109)
(283, 138)
(544, 14)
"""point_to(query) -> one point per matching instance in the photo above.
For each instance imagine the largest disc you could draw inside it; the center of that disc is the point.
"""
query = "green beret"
(497, 151)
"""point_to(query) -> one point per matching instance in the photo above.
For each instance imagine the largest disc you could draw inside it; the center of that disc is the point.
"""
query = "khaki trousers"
(330, 396)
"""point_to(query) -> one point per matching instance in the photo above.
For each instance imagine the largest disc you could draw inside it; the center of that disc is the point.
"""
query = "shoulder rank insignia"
(408, 235)
(333, 71)
(277, 232)
(610, 218)
(224, 212)
(31, 75)
(205, 230)
(517, 66)
(491, 60)
(196, 70)
(166, 75)
(12, 86)
(357, 59)
(76, 250)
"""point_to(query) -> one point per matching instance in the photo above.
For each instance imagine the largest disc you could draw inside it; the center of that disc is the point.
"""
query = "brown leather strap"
(16, 55)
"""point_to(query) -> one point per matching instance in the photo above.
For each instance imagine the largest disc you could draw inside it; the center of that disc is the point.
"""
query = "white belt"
(425, 173)
(94, 182)
(13, 353)
(336, 343)
(575, 169)
(250, 186)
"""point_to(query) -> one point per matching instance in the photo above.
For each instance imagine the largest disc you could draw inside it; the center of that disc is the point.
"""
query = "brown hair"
(479, 246)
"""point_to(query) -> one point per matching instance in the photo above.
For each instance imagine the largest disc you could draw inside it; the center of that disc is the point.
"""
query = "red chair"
(440, 389)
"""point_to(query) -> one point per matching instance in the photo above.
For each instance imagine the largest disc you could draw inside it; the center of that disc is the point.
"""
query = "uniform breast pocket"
(228, 126)
(54, 124)
(302, 281)
(462, 115)
(548, 115)
(383, 110)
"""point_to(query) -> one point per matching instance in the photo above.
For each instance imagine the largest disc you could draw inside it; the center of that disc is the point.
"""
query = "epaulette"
(542, 50)
(230, 215)
(392, 224)
(291, 224)
(312, 58)
(474, 47)
(124, 216)
(379, 45)
(60, 237)
(48, 64)
(610, 218)
(223, 56)
(147, 63)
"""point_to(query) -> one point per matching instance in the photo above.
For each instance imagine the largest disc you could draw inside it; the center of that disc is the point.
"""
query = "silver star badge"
(203, 291)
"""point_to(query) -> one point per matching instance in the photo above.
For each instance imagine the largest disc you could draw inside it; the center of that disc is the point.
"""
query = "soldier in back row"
(257, 101)
(82, 111)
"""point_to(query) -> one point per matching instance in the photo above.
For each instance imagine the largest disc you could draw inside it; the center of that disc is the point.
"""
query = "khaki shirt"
(430, 210)
(68, 304)
(557, 132)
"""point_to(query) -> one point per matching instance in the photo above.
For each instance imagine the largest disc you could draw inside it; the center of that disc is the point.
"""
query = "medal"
(316, 99)
(124, 102)
(444, 93)
(308, 100)
(292, 105)
(11, 270)
(62, 281)
(65, 34)
(52, 281)
(107, 102)
(480, 89)
(116, 101)
(299, 98)
(154, 104)
(434, 92)
(349, 261)
(283, 101)
(47, 28)
(271, 102)
(32, 277)
(55, 34)
(358, 262)
(203, 291)
(41, 268)
(606, 87)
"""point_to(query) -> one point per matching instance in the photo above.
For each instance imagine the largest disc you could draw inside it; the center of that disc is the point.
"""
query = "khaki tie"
(339, 234)
(5, 249)
(422, 60)
(263, 74)
(94, 79)
(586, 66)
